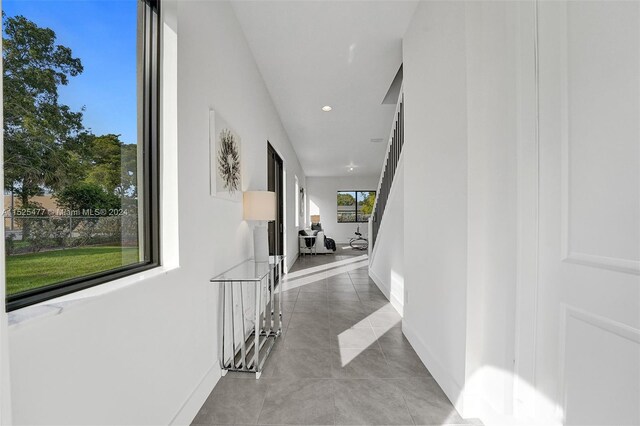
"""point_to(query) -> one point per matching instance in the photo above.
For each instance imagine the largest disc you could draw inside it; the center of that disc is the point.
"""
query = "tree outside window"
(355, 206)
(76, 145)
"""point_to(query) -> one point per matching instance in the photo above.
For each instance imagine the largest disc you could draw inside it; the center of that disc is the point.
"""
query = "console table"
(251, 314)
(313, 249)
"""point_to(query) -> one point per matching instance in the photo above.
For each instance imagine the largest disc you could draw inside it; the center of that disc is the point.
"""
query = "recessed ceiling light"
(350, 169)
(326, 108)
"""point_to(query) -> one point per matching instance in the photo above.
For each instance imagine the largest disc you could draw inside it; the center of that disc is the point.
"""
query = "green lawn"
(27, 271)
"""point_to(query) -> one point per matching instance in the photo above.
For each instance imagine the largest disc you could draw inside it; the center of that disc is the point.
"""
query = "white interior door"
(587, 339)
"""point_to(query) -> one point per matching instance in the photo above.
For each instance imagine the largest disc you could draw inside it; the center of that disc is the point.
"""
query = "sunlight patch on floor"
(349, 354)
(326, 266)
(290, 284)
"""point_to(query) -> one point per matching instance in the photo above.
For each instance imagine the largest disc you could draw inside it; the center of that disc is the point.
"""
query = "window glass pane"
(72, 139)
(346, 206)
(366, 200)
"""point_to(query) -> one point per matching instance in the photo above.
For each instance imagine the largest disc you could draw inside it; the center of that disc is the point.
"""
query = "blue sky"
(102, 33)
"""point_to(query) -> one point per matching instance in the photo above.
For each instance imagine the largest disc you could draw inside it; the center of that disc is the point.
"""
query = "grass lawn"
(27, 271)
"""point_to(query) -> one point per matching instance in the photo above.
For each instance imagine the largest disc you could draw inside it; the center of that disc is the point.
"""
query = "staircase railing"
(389, 167)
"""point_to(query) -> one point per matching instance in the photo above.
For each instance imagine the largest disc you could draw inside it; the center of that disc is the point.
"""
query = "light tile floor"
(342, 359)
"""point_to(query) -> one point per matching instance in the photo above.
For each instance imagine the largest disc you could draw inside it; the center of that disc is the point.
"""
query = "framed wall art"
(225, 159)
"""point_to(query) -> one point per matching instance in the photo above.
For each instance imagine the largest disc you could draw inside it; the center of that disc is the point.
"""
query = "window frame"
(297, 201)
(151, 176)
(356, 205)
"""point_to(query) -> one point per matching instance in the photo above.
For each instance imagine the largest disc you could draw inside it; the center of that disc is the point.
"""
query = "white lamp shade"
(259, 205)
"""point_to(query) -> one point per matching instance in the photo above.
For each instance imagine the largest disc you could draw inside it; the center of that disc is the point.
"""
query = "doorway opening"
(275, 183)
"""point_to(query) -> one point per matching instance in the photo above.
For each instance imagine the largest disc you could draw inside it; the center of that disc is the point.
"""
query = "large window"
(355, 206)
(80, 111)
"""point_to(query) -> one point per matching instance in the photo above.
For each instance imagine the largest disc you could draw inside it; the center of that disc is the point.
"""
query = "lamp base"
(260, 244)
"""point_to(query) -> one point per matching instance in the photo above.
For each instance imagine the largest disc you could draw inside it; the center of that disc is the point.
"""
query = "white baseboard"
(397, 304)
(192, 405)
(447, 382)
(290, 264)
(385, 288)
(468, 403)
(380, 283)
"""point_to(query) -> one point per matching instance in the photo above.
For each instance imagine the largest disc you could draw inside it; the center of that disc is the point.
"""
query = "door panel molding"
(611, 263)
(599, 322)
(560, 308)
(586, 361)
(568, 252)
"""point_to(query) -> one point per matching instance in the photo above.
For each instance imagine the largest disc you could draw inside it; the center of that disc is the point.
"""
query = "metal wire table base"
(247, 342)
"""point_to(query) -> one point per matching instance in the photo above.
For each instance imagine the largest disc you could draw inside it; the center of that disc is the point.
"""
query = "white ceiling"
(339, 53)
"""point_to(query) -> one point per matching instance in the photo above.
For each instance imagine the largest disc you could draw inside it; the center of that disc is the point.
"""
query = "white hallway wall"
(471, 168)
(492, 111)
(146, 352)
(461, 92)
(435, 183)
(322, 199)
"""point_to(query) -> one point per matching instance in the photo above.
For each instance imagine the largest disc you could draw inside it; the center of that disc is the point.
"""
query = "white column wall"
(436, 189)
(461, 82)
(492, 111)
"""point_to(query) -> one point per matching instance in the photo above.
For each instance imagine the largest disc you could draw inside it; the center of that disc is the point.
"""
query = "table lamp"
(260, 206)
(315, 218)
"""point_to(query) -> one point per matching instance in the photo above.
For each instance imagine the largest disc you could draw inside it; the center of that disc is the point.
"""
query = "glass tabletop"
(249, 270)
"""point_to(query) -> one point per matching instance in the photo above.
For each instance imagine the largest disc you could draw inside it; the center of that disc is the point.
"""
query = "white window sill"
(60, 304)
